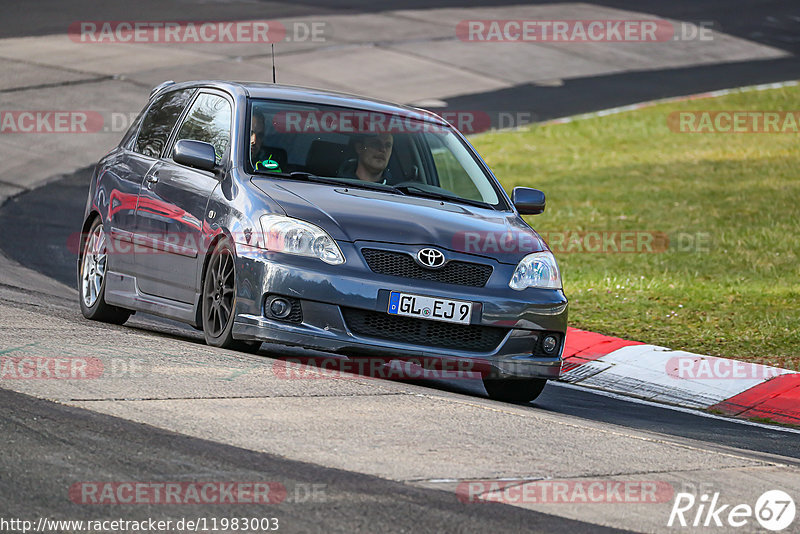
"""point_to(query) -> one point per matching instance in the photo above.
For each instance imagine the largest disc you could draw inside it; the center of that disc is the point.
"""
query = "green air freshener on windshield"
(269, 164)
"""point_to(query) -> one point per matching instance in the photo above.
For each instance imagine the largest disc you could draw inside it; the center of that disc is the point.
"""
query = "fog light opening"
(280, 308)
(550, 344)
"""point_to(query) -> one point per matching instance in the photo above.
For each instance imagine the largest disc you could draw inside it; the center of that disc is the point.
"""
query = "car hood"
(351, 214)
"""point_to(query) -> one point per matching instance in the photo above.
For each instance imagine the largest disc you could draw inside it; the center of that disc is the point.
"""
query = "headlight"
(293, 236)
(536, 270)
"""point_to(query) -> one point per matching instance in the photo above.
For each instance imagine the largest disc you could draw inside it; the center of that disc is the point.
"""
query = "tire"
(218, 301)
(514, 389)
(92, 278)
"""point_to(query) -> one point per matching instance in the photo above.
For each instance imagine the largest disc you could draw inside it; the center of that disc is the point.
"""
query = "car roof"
(310, 95)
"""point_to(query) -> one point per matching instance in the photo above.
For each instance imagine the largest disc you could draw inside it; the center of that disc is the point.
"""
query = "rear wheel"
(219, 301)
(94, 265)
(514, 389)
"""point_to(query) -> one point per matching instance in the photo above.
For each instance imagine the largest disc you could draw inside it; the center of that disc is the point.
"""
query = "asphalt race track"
(771, 22)
(388, 455)
(55, 257)
(89, 439)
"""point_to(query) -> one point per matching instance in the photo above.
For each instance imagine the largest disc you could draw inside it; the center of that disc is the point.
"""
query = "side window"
(130, 135)
(209, 120)
(457, 170)
(159, 121)
(452, 175)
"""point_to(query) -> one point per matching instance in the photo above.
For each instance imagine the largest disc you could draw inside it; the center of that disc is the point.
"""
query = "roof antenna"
(273, 63)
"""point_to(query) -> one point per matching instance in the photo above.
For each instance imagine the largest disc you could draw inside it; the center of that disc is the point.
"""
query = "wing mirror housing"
(528, 201)
(197, 154)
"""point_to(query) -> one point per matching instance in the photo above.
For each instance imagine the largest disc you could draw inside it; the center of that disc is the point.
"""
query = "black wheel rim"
(218, 294)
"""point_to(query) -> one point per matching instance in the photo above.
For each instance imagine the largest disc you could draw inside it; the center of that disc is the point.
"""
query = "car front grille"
(401, 264)
(472, 338)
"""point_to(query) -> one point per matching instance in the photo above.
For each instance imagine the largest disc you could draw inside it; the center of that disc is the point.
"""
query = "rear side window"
(159, 121)
(209, 120)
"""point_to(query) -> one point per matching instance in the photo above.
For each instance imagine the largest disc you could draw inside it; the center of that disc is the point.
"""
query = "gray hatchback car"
(268, 213)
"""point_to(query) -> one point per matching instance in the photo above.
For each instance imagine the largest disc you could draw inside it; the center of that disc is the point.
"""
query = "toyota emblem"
(430, 258)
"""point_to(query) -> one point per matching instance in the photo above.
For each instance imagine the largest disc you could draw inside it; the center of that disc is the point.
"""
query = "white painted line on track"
(698, 413)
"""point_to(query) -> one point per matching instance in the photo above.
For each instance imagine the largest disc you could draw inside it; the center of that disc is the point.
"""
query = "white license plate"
(451, 311)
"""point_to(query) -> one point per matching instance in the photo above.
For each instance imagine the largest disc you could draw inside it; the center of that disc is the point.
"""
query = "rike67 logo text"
(774, 510)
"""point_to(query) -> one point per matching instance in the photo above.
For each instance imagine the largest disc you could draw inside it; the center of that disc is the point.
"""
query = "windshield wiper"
(420, 192)
(410, 190)
(345, 182)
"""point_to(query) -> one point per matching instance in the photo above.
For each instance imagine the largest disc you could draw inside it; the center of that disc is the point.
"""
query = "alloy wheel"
(218, 293)
(93, 271)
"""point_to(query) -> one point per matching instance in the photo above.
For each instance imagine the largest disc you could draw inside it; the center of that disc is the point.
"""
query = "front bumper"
(325, 291)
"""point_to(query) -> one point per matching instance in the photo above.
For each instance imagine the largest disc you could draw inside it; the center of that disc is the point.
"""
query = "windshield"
(408, 155)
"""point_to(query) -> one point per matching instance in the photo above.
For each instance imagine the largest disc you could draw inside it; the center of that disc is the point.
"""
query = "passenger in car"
(373, 153)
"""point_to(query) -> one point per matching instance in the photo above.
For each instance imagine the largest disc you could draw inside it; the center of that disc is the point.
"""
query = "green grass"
(739, 298)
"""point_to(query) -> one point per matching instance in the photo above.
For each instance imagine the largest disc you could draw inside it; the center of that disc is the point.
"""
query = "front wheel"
(219, 301)
(514, 389)
(92, 278)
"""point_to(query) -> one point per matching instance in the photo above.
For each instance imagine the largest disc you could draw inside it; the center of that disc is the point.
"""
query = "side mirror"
(197, 154)
(528, 201)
